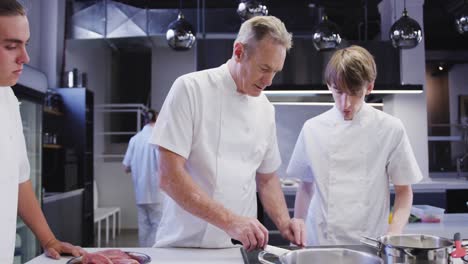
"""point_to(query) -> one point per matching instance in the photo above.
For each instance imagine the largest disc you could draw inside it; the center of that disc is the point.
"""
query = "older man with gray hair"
(217, 142)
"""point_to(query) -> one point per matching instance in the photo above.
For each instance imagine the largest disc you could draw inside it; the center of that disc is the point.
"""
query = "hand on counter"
(55, 248)
(294, 231)
(249, 231)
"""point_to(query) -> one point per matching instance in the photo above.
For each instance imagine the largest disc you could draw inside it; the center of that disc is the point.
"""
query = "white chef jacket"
(142, 158)
(351, 164)
(15, 170)
(226, 138)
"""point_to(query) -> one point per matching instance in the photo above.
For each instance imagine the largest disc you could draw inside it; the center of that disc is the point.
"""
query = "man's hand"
(55, 248)
(294, 231)
(249, 231)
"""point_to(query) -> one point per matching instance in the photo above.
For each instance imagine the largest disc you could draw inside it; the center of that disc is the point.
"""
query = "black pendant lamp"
(406, 32)
(326, 35)
(180, 34)
(250, 8)
(461, 21)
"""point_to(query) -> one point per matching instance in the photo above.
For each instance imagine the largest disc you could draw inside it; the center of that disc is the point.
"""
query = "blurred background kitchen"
(97, 65)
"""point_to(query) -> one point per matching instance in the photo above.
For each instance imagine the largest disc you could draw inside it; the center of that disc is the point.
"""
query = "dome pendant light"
(180, 34)
(405, 33)
(326, 36)
(461, 22)
(250, 8)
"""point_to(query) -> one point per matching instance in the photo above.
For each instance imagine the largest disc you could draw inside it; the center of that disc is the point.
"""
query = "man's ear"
(239, 51)
(370, 87)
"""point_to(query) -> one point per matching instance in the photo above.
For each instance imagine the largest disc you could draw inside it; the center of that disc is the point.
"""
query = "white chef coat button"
(247, 129)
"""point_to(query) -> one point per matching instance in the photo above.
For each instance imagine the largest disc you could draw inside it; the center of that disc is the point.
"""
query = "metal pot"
(412, 248)
(319, 255)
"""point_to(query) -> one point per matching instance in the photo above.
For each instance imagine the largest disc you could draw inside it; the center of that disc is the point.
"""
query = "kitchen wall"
(47, 25)
(411, 109)
(166, 67)
(289, 122)
(115, 187)
(33, 9)
(458, 85)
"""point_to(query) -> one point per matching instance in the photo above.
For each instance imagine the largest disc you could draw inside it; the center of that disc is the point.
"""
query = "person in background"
(141, 159)
(17, 194)
(217, 144)
(347, 157)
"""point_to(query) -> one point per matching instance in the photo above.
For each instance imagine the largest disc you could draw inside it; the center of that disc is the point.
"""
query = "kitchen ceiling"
(302, 15)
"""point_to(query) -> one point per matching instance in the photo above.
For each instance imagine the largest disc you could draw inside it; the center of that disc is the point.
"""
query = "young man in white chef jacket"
(17, 195)
(217, 143)
(348, 156)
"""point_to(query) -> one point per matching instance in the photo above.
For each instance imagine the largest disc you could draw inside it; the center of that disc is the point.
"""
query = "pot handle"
(406, 251)
(273, 251)
(376, 243)
(262, 259)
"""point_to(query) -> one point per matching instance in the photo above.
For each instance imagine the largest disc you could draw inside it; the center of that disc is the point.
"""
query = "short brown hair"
(11, 8)
(351, 68)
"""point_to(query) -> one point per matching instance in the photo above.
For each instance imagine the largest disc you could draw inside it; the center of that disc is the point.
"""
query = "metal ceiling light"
(250, 8)
(326, 35)
(405, 33)
(461, 22)
(180, 34)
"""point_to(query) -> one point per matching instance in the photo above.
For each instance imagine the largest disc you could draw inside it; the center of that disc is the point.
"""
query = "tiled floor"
(126, 238)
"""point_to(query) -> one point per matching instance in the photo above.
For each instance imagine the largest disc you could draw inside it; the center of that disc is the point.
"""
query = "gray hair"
(259, 27)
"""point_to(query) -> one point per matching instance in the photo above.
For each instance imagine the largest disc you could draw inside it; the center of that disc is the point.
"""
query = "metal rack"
(460, 161)
(137, 109)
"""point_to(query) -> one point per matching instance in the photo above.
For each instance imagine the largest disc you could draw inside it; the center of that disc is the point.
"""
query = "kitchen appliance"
(412, 248)
(334, 255)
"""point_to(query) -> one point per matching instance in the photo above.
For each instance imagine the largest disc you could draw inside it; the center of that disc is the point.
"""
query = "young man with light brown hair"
(348, 156)
(17, 195)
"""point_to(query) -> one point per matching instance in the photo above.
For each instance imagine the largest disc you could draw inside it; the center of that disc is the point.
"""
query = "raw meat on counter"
(111, 256)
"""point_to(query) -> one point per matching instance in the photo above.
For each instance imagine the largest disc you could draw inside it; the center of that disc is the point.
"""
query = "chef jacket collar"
(231, 86)
(358, 118)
